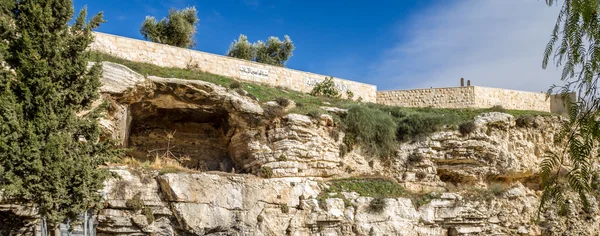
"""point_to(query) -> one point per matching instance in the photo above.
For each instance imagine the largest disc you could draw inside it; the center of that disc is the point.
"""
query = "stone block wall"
(511, 99)
(473, 97)
(169, 56)
(458, 97)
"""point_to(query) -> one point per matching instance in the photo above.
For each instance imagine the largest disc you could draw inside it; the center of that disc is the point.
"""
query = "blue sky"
(393, 44)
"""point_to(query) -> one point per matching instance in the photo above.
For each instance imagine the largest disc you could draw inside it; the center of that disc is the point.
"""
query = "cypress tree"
(49, 155)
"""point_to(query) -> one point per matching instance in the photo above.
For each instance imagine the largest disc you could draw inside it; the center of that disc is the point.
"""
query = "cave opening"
(195, 136)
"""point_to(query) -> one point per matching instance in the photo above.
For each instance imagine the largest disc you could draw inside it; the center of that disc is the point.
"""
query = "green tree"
(273, 52)
(177, 29)
(241, 48)
(49, 156)
(575, 46)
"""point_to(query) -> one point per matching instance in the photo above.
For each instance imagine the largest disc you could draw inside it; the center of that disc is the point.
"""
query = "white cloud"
(495, 43)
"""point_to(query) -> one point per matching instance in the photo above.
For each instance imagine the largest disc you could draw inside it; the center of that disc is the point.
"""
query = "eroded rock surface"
(221, 204)
(232, 141)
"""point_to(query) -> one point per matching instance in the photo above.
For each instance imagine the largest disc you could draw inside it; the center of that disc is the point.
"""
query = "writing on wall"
(253, 71)
(169, 56)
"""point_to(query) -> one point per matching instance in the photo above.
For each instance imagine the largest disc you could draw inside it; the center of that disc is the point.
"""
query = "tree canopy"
(575, 46)
(177, 29)
(48, 154)
(273, 52)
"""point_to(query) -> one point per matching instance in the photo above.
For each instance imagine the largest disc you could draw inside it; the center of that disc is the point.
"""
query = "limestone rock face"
(497, 149)
(214, 128)
(256, 173)
(225, 204)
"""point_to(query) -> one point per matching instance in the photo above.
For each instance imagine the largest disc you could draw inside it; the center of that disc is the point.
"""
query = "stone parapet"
(473, 97)
(458, 97)
(169, 56)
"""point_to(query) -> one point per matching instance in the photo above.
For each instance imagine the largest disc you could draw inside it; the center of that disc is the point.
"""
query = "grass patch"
(367, 187)
(373, 129)
(160, 164)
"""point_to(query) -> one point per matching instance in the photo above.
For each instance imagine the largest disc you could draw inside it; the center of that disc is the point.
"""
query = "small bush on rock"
(266, 172)
(135, 203)
(273, 111)
(467, 127)
(284, 102)
(421, 175)
(498, 108)
(314, 114)
(497, 188)
(284, 208)
(235, 85)
(526, 121)
(414, 158)
(147, 211)
(349, 94)
(377, 204)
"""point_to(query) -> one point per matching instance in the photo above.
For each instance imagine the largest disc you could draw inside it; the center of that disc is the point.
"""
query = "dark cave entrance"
(194, 135)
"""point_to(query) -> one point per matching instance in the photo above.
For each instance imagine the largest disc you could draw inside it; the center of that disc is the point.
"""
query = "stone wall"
(557, 103)
(472, 97)
(169, 56)
(458, 97)
(511, 99)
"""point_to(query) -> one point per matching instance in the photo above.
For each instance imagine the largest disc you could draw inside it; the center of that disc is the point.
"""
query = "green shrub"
(497, 188)
(266, 172)
(416, 125)
(235, 85)
(377, 205)
(526, 121)
(241, 91)
(147, 211)
(421, 175)
(372, 129)
(414, 158)
(498, 108)
(284, 102)
(314, 114)
(467, 127)
(326, 88)
(273, 111)
(284, 208)
(135, 203)
(282, 157)
(420, 200)
(349, 94)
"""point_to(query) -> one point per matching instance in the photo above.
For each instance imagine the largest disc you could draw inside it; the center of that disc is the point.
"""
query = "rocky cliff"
(250, 168)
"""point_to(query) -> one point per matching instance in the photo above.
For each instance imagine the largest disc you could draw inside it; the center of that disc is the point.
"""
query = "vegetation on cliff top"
(377, 128)
(49, 155)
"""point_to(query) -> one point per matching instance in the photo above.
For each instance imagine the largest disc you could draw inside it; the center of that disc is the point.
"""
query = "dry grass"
(160, 163)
